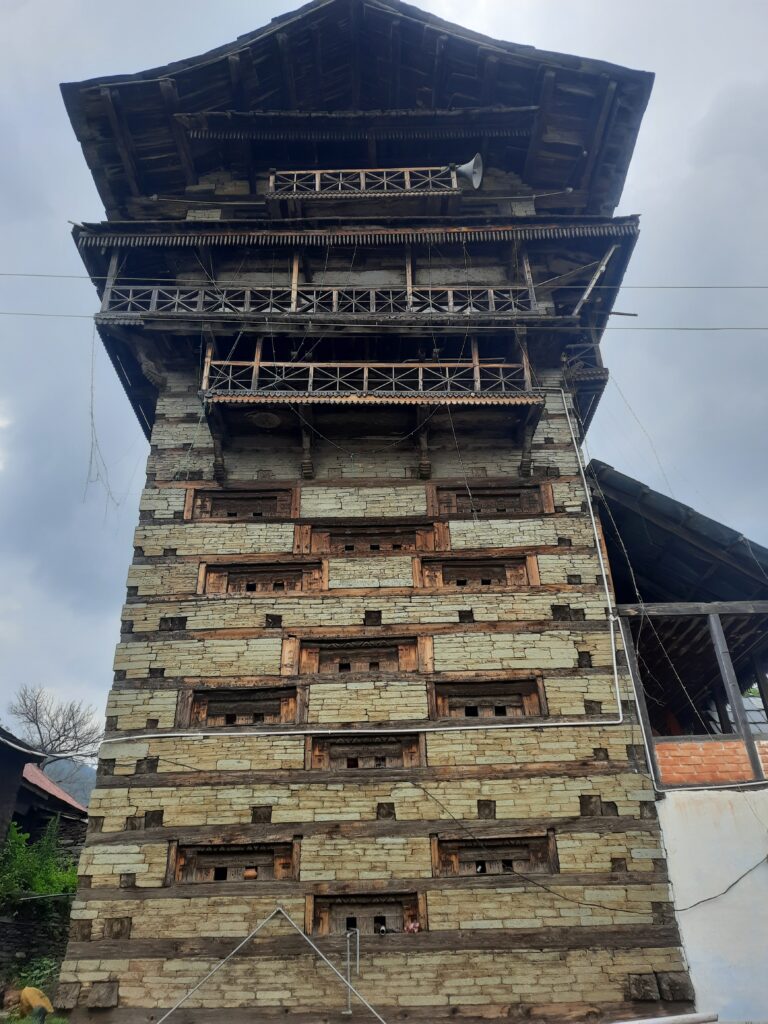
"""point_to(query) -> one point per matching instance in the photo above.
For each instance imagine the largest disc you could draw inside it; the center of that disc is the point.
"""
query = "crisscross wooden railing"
(230, 377)
(379, 181)
(314, 300)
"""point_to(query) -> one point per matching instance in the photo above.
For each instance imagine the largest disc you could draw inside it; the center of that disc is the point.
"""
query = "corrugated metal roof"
(302, 398)
(183, 237)
(37, 778)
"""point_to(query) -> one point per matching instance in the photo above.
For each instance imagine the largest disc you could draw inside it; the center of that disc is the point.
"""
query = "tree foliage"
(39, 868)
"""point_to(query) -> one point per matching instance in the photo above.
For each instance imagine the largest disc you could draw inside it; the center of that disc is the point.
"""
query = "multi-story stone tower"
(368, 671)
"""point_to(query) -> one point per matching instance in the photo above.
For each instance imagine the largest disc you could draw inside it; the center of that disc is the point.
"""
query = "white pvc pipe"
(681, 1018)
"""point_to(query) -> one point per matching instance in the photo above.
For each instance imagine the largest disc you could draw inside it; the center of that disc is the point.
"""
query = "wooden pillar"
(527, 377)
(475, 364)
(295, 282)
(111, 278)
(207, 365)
(721, 707)
(409, 275)
(528, 274)
(728, 674)
(761, 675)
(642, 707)
(256, 364)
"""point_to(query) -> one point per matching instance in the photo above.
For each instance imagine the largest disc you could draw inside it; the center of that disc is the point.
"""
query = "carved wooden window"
(263, 706)
(514, 699)
(516, 855)
(475, 574)
(372, 540)
(489, 500)
(242, 862)
(262, 579)
(336, 657)
(351, 753)
(372, 915)
(242, 505)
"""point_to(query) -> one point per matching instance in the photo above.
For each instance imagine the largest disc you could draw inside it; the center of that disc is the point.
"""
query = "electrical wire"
(624, 287)
(412, 326)
(717, 895)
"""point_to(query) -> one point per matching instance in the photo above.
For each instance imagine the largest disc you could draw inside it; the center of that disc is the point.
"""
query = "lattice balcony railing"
(319, 299)
(236, 377)
(378, 181)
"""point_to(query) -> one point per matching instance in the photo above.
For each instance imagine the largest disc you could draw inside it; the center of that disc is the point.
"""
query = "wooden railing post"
(111, 277)
(207, 365)
(256, 364)
(295, 282)
(475, 365)
(527, 378)
(728, 675)
(409, 276)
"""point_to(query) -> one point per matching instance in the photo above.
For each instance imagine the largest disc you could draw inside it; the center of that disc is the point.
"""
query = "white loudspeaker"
(472, 171)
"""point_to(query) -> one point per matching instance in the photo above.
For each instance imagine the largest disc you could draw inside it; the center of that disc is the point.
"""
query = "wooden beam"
(734, 693)
(490, 74)
(235, 70)
(761, 675)
(113, 106)
(356, 35)
(395, 58)
(671, 608)
(598, 131)
(170, 97)
(593, 280)
(438, 71)
(537, 134)
(286, 65)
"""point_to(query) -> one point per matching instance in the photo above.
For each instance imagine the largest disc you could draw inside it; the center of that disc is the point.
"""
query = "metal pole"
(683, 1018)
(348, 1010)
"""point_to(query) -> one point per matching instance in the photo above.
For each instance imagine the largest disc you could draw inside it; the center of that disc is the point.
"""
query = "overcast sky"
(698, 179)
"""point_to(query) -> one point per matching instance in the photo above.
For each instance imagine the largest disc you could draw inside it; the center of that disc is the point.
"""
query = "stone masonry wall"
(577, 934)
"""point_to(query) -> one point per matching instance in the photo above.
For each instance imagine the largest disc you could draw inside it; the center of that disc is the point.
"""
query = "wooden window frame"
(285, 861)
(186, 711)
(318, 751)
(317, 539)
(429, 573)
(301, 655)
(213, 578)
(195, 495)
(446, 855)
(480, 689)
(436, 490)
(319, 910)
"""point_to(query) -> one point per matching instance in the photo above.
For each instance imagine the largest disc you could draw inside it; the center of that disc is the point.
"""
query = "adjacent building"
(370, 671)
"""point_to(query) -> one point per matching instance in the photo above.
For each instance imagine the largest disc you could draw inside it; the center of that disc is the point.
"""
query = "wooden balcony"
(139, 302)
(464, 381)
(356, 182)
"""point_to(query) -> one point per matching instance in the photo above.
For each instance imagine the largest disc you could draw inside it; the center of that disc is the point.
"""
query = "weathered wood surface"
(579, 937)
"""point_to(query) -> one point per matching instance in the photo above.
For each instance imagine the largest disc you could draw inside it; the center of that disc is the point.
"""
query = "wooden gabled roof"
(156, 131)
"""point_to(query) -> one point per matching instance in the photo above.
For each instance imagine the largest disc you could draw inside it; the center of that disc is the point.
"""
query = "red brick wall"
(687, 762)
(762, 749)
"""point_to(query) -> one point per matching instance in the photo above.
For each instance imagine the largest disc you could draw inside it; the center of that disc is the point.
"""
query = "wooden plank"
(123, 141)
(170, 98)
(728, 676)
(374, 828)
(557, 938)
(546, 94)
(679, 608)
(598, 131)
(584, 768)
